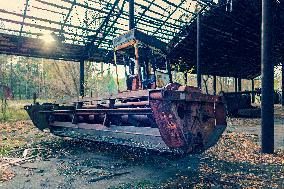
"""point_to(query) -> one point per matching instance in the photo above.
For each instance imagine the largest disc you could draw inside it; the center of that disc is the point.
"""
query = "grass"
(16, 129)
(16, 135)
(16, 132)
(15, 110)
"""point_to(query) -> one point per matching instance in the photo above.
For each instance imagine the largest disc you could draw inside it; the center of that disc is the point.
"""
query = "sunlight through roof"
(80, 21)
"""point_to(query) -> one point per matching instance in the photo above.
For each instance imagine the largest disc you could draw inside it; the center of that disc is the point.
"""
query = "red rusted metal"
(125, 45)
(187, 119)
(137, 65)
(135, 83)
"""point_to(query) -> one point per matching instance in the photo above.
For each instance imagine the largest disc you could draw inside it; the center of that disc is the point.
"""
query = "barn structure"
(228, 38)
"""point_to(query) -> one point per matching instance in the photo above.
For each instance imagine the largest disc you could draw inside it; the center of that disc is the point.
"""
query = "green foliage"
(111, 84)
(180, 73)
(4, 105)
(100, 80)
(51, 79)
(15, 111)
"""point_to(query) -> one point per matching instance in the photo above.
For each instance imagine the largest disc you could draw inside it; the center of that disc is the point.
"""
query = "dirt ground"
(53, 162)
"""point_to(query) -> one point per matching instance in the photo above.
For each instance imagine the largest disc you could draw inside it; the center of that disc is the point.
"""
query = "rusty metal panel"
(187, 120)
(191, 124)
(127, 39)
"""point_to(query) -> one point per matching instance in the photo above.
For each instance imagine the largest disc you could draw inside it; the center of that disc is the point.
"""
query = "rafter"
(48, 10)
(176, 8)
(103, 24)
(67, 17)
(52, 4)
(45, 20)
(24, 16)
(38, 26)
(107, 31)
(145, 9)
(108, 17)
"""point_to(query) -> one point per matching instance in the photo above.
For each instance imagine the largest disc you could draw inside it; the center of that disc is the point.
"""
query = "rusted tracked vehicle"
(173, 118)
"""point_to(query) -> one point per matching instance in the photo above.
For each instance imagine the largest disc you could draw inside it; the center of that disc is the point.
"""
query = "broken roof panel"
(78, 20)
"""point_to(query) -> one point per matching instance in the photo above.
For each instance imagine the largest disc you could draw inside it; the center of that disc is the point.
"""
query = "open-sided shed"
(219, 38)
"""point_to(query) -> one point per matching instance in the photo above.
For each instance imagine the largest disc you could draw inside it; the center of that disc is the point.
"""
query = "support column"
(185, 78)
(239, 84)
(116, 70)
(131, 15)
(131, 67)
(214, 85)
(154, 70)
(102, 69)
(168, 64)
(282, 86)
(198, 53)
(125, 68)
(267, 83)
(252, 89)
(236, 84)
(137, 64)
(82, 78)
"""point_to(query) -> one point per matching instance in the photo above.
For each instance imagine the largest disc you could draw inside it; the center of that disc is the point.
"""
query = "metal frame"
(109, 19)
(267, 82)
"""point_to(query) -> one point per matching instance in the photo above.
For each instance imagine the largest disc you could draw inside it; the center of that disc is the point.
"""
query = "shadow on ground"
(66, 163)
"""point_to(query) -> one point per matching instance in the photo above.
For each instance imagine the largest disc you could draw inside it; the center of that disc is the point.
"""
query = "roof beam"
(145, 10)
(90, 47)
(106, 32)
(45, 20)
(33, 33)
(67, 16)
(183, 31)
(153, 11)
(125, 16)
(37, 26)
(35, 48)
(166, 23)
(48, 10)
(146, 23)
(24, 16)
(86, 6)
(52, 4)
(176, 8)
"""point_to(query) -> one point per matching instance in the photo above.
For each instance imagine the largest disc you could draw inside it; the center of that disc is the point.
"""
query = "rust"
(191, 123)
(125, 45)
(186, 120)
